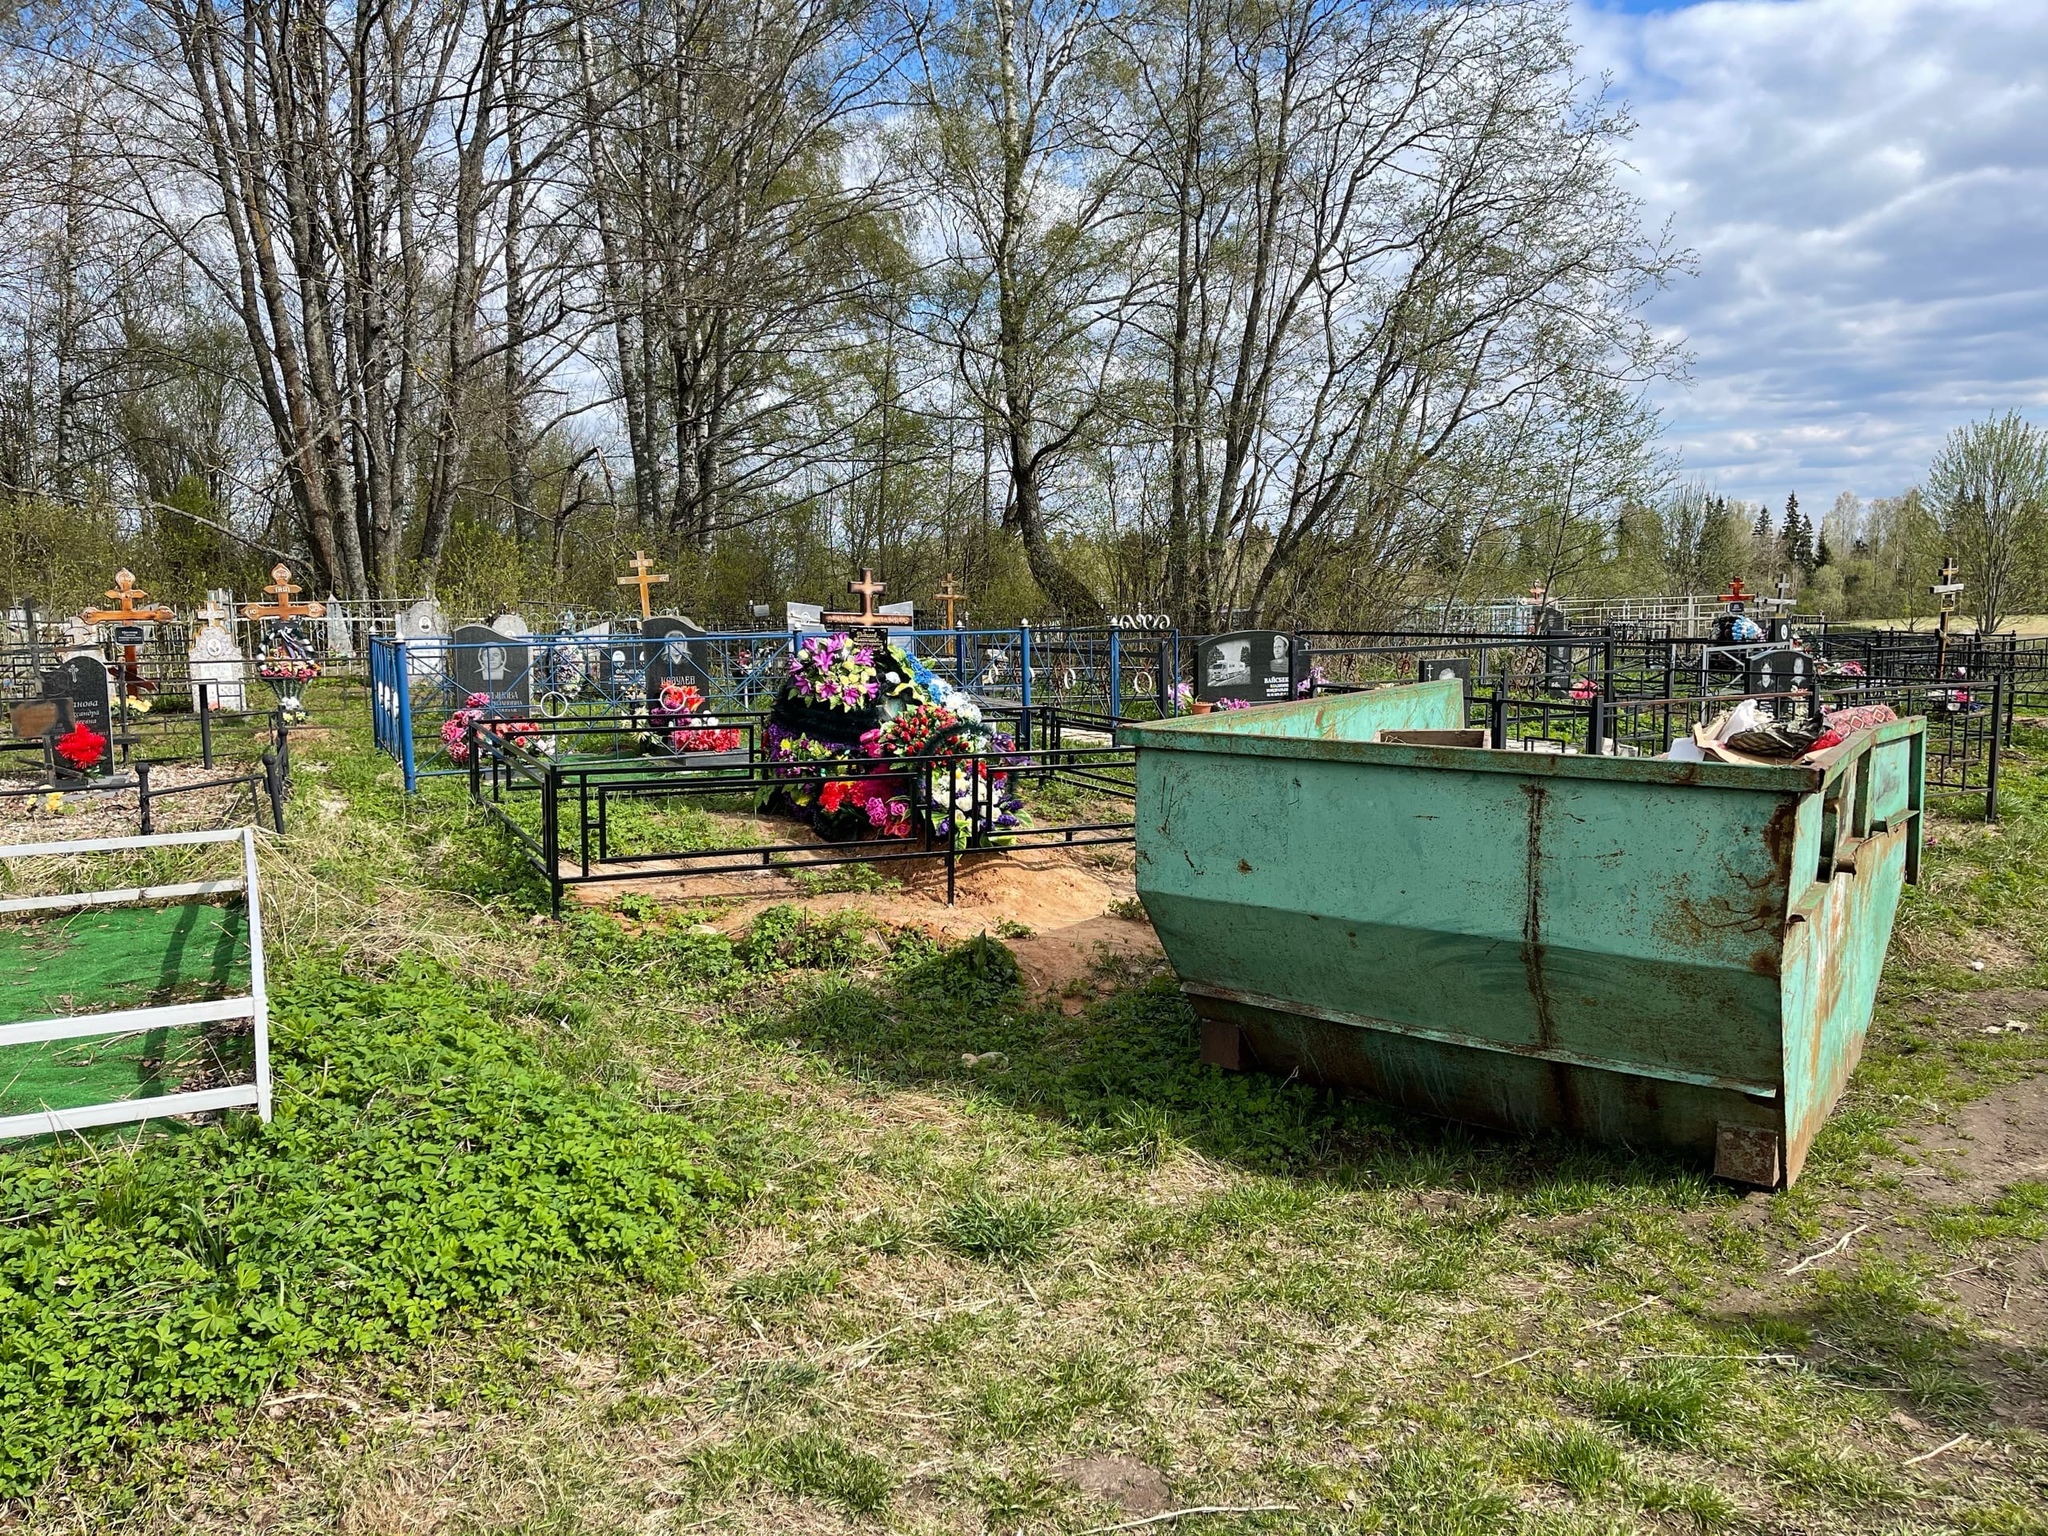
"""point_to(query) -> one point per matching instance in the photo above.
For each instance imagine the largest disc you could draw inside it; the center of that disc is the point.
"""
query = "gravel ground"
(116, 812)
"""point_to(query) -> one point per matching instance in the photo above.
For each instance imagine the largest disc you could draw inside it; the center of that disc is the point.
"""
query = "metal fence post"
(142, 798)
(551, 833)
(1497, 721)
(205, 696)
(274, 781)
(402, 686)
(1116, 673)
(1024, 717)
(1991, 773)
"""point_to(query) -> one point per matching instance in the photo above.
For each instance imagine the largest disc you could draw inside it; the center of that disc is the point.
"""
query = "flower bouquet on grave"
(849, 809)
(678, 722)
(285, 672)
(81, 749)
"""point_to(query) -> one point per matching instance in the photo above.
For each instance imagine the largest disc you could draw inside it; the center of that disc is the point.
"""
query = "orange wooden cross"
(868, 589)
(641, 579)
(949, 597)
(282, 590)
(127, 594)
(1735, 592)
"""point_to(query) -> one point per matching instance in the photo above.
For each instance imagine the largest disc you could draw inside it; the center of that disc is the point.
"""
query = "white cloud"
(1866, 185)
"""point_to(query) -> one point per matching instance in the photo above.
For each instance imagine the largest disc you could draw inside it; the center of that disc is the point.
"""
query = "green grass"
(952, 1281)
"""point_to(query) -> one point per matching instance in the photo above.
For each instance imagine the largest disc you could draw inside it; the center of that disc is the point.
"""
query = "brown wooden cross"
(949, 597)
(1736, 593)
(127, 594)
(643, 580)
(282, 608)
(868, 589)
(1949, 589)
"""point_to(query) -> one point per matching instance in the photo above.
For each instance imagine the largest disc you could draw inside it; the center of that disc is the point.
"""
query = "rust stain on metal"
(1243, 868)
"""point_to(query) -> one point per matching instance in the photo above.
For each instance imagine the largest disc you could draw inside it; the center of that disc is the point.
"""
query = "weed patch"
(424, 1165)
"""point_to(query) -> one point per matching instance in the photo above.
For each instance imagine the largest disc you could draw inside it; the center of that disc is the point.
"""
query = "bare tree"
(1989, 489)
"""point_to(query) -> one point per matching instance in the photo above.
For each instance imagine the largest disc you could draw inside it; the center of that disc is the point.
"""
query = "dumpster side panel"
(1840, 928)
(1438, 706)
(1505, 1091)
(1579, 920)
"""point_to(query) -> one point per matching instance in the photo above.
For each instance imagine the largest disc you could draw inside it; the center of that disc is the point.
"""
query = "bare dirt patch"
(1124, 1481)
(1063, 897)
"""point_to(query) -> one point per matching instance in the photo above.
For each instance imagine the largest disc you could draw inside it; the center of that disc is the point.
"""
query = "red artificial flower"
(81, 746)
(834, 795)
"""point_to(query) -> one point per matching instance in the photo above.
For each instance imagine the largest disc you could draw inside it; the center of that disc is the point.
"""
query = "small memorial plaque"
(38, 718)
(1253, 666)
(130, 634)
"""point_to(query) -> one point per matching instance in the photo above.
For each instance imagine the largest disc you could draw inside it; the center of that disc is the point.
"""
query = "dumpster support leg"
(1223, 1045)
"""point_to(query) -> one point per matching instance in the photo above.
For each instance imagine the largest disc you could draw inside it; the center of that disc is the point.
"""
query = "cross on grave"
(868, 589)
(127, 594)
(949, 597)
(1736, 595)
(1948, 590)
(124, 618)
(212, 613)
(641, 578)
(283, 608)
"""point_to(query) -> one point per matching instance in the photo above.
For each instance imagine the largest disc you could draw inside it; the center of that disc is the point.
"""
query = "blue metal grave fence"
(417, 684)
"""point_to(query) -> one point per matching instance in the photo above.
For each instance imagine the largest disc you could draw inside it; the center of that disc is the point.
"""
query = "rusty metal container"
(1637, 950)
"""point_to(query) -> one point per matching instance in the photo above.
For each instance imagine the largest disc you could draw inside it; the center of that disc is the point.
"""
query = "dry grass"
(964, 1284)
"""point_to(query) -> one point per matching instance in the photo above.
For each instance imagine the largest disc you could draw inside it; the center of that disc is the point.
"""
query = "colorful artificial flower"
(455, 729)
(82, 746)
(923, 730)
(833, 671)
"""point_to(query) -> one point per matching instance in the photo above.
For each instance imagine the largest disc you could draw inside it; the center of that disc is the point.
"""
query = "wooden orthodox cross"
(1948, 590)
(641, 578)
(281, 607)
(868, 589)
(128, 595)
(949, 597)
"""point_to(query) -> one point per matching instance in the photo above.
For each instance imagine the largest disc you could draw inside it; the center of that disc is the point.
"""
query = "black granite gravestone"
(85, 682)
(1255, 666)
(1434, 668)
(480, 660)
(671, 652)
(1777, 672)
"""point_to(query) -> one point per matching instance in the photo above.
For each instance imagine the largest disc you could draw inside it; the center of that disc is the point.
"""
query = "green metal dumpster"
(1637, 950)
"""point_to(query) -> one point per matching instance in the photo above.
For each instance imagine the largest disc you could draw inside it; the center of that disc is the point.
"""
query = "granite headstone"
(1255, 666)
(481, 660)
(672, 651)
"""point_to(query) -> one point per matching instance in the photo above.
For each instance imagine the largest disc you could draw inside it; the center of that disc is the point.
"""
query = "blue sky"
(1865, 183)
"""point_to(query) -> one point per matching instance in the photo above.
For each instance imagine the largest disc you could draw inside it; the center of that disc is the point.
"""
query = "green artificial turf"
(97, 962)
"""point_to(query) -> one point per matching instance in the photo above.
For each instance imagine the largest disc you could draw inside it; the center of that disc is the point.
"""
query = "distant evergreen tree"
(1763, 529)
(1795, 538)
(1821, 553)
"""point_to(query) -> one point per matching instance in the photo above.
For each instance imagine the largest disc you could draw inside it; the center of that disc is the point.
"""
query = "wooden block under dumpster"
(1638, 950)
